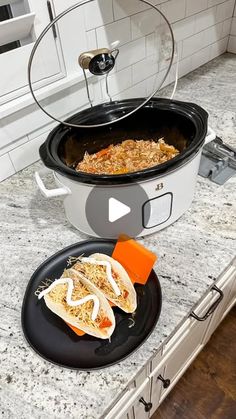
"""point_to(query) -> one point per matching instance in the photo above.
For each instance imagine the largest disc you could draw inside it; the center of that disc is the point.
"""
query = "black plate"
(51, 338)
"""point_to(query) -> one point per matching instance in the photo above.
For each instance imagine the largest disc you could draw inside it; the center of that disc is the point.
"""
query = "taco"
(111, 278)
(80, 304)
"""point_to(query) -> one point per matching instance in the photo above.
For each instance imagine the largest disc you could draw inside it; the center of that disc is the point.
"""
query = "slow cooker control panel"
(157, 210)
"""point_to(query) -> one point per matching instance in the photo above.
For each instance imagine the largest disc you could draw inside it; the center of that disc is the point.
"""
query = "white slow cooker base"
(179, 184)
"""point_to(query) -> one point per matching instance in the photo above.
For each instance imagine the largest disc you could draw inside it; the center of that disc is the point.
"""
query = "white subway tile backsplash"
(158, 45)
(201, 29)
(212, 34)
(202, 39)
(157, 2)
(195, 6)
(174, 10)
(201, 57)
(41, 131)
(185, 66)
(184, 28)
(144, 69)
(225, 10)
(131, 53)
(232, 44)
(139, 90)
(193, 44)
(151, 44)
(91, 39)
(205, 19)
(171, 76)
(178, 51)
(233, 27)
(144, 23)
(119, 81)
(6, 167)
(115, 34)
(14, 144)
(226, 28)
(231, 47)
(98, 13)
(13, 127)
(214, 2)
(218, 48)
(155, 81)
(123, 8)
(27, 153)
(164, 59)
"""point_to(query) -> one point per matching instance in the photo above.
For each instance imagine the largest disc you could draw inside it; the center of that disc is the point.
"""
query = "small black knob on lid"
(166, 382)
(101, 64)
(147, 405)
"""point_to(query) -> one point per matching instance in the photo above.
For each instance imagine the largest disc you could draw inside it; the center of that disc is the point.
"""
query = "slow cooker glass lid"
(128, 58)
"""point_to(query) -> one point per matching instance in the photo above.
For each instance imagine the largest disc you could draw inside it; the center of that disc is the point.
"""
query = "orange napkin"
(135, 258)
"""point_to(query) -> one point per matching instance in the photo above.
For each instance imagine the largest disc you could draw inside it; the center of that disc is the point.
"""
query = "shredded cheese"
(108, 271)
(70, 302)
(97, 275)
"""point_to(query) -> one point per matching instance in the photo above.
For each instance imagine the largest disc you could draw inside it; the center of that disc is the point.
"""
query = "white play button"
(113, 211)
(117, 210)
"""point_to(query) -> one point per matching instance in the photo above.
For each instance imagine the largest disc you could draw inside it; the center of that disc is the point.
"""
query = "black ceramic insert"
(182, 124)
(51, 338)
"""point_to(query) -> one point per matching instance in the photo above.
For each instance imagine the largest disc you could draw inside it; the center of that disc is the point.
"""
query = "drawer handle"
(212, 308)
(165, 381)
(148, 406)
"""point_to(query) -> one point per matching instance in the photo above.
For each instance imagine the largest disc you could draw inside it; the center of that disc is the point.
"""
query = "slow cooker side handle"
(50, 193)
(211, 135)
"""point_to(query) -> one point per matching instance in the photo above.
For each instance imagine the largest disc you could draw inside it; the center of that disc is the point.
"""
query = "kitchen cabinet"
(142, 404)
(158, 378)
(123, 409)
(134, 404)
(179, 352)
(227, 283)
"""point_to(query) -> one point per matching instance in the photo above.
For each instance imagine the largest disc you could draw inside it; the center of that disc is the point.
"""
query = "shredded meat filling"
(97, 275)
(129, 156)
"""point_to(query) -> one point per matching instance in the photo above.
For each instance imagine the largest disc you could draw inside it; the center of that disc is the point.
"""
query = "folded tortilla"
(126, 299)
(104, 324)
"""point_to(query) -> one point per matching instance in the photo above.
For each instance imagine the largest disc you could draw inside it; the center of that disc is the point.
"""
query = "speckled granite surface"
(192, 253)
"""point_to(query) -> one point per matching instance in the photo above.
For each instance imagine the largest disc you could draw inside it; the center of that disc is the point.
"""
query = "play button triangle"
(117, 210)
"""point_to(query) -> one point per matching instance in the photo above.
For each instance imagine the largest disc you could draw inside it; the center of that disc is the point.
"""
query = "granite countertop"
(192, 253)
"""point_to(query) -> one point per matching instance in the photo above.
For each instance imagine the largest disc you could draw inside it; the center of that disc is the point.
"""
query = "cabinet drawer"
(183, 353)
(188, 341)
(156, 360)
(200, 310)
(132, 404)
(232, 295)
(142, 376)
(122, 408)
(156, 385)
(227, 284)
(142, 403)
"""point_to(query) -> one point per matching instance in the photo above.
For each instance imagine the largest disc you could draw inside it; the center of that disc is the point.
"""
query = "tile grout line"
(11, 161)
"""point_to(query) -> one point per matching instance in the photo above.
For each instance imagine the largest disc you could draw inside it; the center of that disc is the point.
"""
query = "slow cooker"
(167, 188)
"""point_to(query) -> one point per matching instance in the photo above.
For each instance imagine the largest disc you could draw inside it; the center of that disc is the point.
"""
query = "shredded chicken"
(129, 156)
